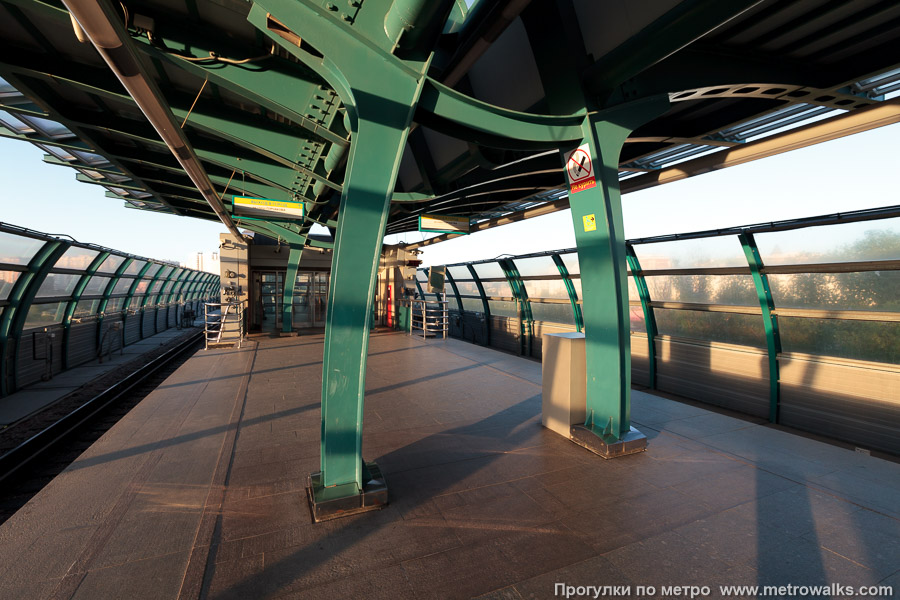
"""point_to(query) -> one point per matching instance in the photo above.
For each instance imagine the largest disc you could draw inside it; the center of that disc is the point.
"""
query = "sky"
(852, 173)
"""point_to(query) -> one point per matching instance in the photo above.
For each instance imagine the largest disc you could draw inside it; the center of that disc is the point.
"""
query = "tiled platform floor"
(198, 492)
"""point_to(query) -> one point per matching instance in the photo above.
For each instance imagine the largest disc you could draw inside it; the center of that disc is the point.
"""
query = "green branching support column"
(380, 94)
(770, 320)
(20, 297)
(570, 289)
(597, 218)
(649, 317)
(290, 280)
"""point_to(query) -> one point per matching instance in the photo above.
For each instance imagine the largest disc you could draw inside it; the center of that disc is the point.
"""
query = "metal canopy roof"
(248, 96)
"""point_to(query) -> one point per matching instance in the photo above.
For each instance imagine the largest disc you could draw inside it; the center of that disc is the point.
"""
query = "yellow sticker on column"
(590, 223)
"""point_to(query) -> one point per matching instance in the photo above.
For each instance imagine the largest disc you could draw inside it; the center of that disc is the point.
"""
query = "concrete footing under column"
(327, 503)
(631, 443)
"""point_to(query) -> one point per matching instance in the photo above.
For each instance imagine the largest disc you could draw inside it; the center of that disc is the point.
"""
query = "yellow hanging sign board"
(590, 222)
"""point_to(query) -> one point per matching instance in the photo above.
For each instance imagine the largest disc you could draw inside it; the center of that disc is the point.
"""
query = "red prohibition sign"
(579, 166)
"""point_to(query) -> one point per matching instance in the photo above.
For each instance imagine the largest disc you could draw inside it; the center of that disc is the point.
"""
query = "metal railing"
(223, 323)
(430, 317)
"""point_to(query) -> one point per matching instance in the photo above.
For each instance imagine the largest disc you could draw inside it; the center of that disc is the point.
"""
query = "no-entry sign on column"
(580, 169)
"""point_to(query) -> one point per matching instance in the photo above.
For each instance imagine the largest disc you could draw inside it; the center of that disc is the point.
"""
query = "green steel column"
(599, 236)
(484, 305)
(455, 291)
(570, 288)
(290, 279)
(523, 305)
(770, 320)
(76, 296)
(12, 321)
(649, 317)
(381, 123)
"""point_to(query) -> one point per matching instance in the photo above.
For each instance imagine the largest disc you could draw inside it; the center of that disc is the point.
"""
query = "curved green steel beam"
(459, 302)
(523, 305)
(474, 117)
(484, 304)
(647, 308)
(770, 320)
(570, 290)
(76, 296)
(12, 320)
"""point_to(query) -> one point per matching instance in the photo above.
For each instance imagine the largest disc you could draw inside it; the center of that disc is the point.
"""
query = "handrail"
(430, 321)
(214, 325)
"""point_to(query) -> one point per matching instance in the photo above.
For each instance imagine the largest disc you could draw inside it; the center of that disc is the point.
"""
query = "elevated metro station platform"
(199, 492)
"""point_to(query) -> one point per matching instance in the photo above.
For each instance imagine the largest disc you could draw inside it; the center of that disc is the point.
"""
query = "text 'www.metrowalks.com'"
(834, 590)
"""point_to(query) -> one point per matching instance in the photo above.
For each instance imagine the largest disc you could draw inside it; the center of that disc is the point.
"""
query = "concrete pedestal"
(564, 398)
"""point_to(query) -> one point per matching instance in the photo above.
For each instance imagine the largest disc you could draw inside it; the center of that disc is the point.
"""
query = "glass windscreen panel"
(43, 315)
(123, 285)
(114, 305)
(96, 286)
(546, 288)
(724, 251)
(535, 266)
(142, 286)
(16, 249)
(86, 308)
(570, 260)
(111, 264)
(7, 281)
(473, 304)
(735, 290)
(553, 313)
(744, 330)
(636, 318)
(844, 242)
(489, 270)
(459, 273)
(135, 267)
(57, 284)
(501, 308)
(860, 340)
(870, 290)
(76, 258)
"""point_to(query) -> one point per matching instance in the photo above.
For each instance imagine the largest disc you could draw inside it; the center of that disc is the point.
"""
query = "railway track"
(33, 463)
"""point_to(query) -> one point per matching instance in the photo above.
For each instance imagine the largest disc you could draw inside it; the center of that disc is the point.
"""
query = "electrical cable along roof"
(226, 99)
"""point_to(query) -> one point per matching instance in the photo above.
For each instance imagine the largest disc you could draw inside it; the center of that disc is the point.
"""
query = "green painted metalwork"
(290, 280)
(12, 320)
(517, 129)
(601, 255)
(101, 309)
(419, 287)
(452, 283)
(770, 320)
(484, 304)
(380, 103)
(76, 296)
(526, 321)
(649, 318)
(151, 293)
(570, 289)
(126, 304)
